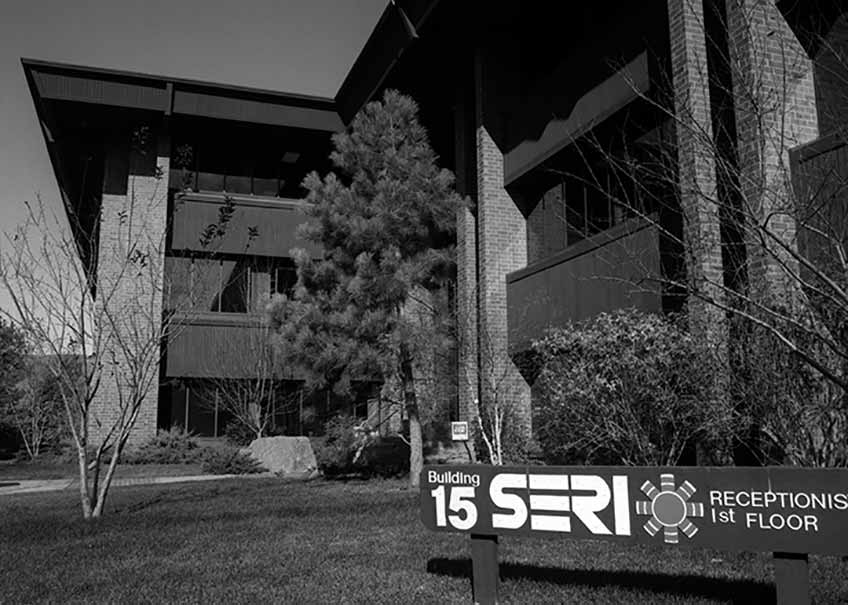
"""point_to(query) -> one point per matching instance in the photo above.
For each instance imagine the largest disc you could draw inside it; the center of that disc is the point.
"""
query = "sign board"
(777, 509)
(459, 431)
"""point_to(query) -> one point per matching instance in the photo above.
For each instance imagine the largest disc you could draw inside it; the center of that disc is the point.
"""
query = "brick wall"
(502, 248)
(129, 292)
(697, 171)
(775, 106)
(466, 255)
(466, 307)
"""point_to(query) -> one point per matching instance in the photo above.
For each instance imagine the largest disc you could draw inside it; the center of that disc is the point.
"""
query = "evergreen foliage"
(386, 223)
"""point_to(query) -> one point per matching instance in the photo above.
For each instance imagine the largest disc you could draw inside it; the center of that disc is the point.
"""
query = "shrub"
(789, 413)
(626, 388)
(10, 440)
(166, 447)
(231, 461)
(336, 450)
(237, 433)
(349, 447)
(385, 457)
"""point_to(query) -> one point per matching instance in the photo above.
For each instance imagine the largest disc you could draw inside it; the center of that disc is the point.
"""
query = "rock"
(290, 457)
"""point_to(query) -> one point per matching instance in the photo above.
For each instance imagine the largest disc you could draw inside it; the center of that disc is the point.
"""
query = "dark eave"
(179, 96)
(44, 119)
(811, 20)
(394, 33)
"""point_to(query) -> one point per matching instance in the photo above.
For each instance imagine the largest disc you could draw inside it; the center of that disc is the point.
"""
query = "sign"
(459, 431)
(777, 509)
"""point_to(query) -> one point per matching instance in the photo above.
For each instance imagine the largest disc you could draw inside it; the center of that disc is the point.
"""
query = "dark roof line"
(394, 32)
(29, 63)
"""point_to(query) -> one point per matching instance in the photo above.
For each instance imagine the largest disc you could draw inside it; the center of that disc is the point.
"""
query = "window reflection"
(242, 285)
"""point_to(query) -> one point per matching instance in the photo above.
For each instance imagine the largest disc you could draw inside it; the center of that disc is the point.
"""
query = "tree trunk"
(83, 482)
(107, 482)
(416, 446)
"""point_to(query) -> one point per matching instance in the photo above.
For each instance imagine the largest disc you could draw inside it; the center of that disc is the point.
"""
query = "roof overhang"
(75, 103)
(811, 20)
(64, 82)
(394, 33)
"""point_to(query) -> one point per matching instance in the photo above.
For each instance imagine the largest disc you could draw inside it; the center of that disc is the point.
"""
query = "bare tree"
(89, 294)
(91, 343)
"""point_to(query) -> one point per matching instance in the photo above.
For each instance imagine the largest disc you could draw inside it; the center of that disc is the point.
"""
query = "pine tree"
(386, 223)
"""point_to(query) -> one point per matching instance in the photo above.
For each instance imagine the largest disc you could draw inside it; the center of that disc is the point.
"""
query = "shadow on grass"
(733, 591)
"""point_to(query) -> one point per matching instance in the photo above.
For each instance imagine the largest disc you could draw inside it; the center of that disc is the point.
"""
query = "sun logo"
(669, 508)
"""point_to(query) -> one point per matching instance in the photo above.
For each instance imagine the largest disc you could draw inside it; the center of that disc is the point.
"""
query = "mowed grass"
(264, 540)
(54, 469)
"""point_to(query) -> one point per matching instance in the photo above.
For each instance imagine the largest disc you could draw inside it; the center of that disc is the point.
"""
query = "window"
(283, 279)
(239, 164)
(235, 292)
(592, 201)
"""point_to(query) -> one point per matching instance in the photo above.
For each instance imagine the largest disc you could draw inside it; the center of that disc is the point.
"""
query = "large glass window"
(233, 165)
(585, 202)
(226, 285)
(216, 285)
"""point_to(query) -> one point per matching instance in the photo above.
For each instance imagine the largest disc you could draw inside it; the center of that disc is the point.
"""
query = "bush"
(789, 413)
(336, 450)
(349, 447)
(626, 388)
(10, 440)
(231, 461)
(166, 447)
(385, 457)
(238, 434)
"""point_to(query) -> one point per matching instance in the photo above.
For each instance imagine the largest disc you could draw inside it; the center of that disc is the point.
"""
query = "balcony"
(260, 226)
(220, 345)
(608, 271)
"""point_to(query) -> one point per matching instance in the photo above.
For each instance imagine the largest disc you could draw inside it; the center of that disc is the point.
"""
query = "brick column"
(133, 220)
(697, 173)
(502, 248)
(775, 107)
(466, 262)
(466, 307)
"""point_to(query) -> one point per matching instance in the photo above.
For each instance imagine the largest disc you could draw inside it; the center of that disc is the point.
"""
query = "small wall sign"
(459, 431)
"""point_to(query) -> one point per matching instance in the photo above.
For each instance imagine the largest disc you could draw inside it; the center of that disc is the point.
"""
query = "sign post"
(791, 578)
(484, 568)
(788, 511)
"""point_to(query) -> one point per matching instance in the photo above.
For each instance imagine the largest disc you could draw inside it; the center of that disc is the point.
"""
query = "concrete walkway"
(8, 487)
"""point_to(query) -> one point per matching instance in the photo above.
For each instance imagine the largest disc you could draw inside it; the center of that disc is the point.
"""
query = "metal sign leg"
(484, 569)
(791, 578)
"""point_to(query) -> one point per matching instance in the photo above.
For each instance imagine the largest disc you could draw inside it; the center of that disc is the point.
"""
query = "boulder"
(290, 457)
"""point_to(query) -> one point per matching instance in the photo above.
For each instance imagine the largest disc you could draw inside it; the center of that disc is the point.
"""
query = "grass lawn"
(47, 469)
(268, 541)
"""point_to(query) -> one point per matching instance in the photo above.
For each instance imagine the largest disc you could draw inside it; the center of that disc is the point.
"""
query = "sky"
(302, 46)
